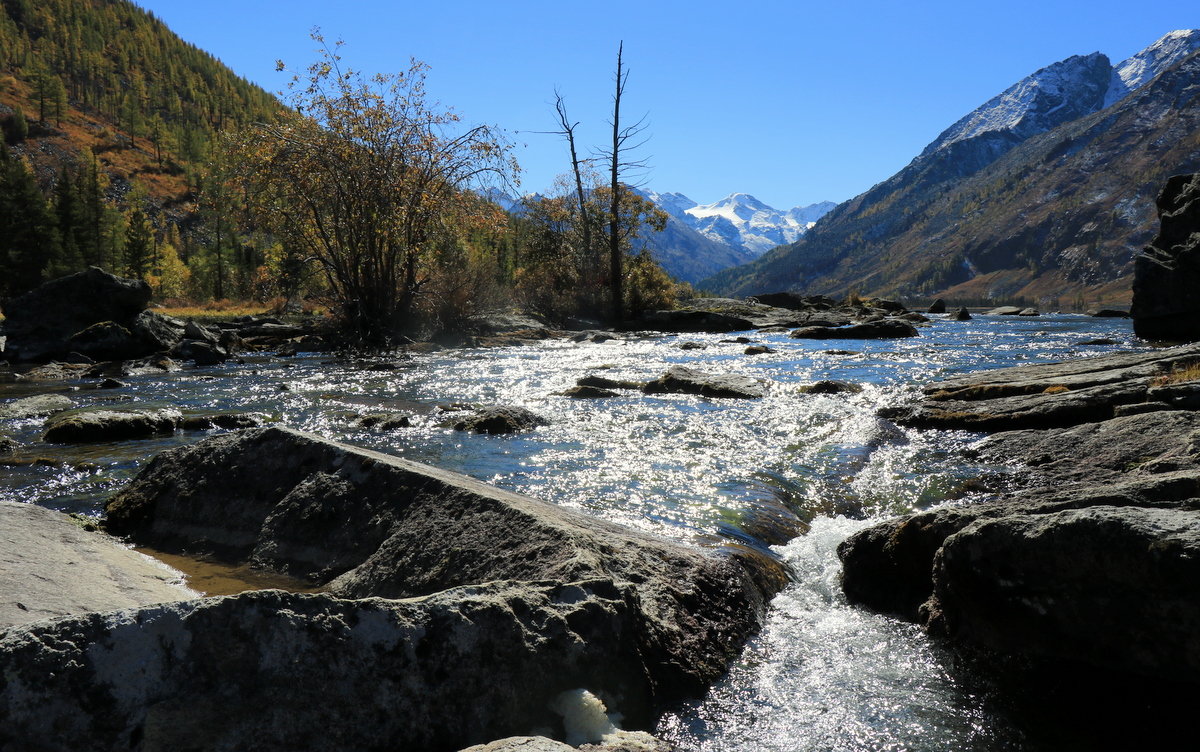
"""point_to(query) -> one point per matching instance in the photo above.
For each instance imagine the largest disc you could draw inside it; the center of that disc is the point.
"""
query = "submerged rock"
(1166, 273)
(684, 380)
(829, 387)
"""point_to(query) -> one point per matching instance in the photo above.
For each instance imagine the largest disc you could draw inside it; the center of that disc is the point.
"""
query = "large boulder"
(1109, 586)
(275, 670)
(1166, 273)
(361, 523)
(93, 313)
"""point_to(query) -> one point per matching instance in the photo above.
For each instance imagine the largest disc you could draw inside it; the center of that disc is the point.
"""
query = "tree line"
(360, 192)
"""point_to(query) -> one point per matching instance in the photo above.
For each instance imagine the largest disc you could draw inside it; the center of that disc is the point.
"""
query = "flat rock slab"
(1049, 395)
(50, 567)
(37, 406)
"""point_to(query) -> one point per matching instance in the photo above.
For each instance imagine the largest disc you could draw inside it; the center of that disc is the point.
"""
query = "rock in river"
(684, 380)
(499, 420)
(368, 524)
(883, 329)
(109, 424)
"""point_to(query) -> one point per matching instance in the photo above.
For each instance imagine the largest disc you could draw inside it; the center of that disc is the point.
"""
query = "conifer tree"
(139, 244)
(28, 239)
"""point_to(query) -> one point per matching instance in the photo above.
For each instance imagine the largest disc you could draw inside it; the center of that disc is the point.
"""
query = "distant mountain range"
(701, 240)
(742, 221)
(1045, 191)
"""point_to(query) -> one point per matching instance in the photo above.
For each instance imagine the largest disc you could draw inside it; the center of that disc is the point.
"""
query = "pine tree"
(28, 238)
(139, 244)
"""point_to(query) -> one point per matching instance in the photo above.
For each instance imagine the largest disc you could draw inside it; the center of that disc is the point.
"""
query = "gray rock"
(201, 352)
(938, 306)
(88, 425)
(39, 323)
(1004, 311)
(53, 568)
(693, 321)
(501, 420)
(1052, 395)
(882, 329)
(1165, 273)
(1107, 586)
(962, 314)
(37, 406)
(385, 421)
(368, 524)
(1029, 312)
(684, 380)
(275, 670)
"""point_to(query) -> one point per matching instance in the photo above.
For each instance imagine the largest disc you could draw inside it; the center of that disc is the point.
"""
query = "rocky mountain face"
(1044, 192)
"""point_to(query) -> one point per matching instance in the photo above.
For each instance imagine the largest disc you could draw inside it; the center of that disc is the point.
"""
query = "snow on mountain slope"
(1054, 95)
(1145, 65)
(743, 221)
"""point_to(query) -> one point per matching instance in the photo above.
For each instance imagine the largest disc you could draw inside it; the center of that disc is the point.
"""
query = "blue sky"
(794, 102)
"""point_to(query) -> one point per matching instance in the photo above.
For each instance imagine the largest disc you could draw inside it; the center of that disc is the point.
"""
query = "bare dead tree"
(624, 141)
(568, 131)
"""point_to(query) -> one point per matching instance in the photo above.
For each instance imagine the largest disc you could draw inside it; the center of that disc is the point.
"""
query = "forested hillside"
(112, 118)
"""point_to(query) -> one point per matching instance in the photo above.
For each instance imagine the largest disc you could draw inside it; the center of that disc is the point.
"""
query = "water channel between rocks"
(822, 675)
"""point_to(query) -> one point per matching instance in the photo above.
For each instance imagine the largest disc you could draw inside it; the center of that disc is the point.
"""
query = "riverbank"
(1075, 579)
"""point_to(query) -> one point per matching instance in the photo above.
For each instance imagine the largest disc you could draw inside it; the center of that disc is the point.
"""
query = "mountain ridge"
(1001, 213)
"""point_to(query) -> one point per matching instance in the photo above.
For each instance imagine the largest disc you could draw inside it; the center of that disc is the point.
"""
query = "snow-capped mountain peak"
(1053, 95)
(743, 221)
(1145, 65)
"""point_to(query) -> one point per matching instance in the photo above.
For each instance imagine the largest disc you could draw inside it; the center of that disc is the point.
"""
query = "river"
(822, 675)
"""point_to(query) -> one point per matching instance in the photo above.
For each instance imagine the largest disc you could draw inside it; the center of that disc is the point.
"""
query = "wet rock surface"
(1089, 560)
(53, 568)
(684, 380)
